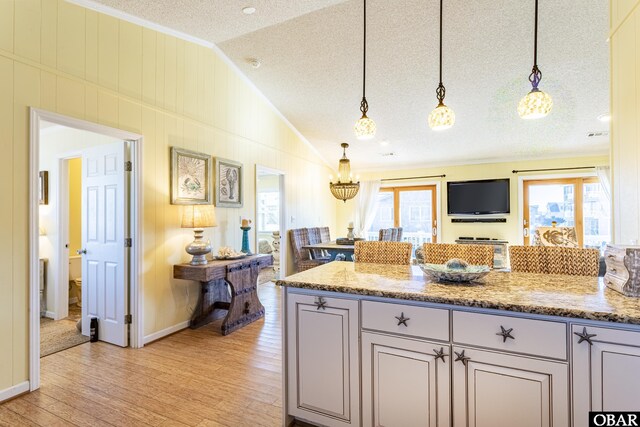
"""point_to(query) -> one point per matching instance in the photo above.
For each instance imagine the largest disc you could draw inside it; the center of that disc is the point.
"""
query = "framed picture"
(229, 184)
(43, 188)
(190, 177)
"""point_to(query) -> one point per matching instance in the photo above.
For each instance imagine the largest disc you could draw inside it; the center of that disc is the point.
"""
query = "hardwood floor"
(194, 378)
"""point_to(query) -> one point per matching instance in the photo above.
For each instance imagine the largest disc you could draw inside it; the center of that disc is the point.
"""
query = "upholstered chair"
(554, 260)
(440, 253)
(383, 252)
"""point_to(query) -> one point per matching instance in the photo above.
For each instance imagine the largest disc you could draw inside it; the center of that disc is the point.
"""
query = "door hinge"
(128, 166)
(128, 319)
(128, 242)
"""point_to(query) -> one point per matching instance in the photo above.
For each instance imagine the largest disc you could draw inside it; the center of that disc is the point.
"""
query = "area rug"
(58, 335)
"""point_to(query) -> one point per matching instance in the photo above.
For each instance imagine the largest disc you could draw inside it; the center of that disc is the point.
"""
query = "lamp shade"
(199, 216)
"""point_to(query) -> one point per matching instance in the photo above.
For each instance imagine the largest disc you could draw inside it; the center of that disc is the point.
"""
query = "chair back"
(440, 253)
(554, 260)
(393, 234)
(314, 235)
(383, 252)
(299, 237)
(325, 235)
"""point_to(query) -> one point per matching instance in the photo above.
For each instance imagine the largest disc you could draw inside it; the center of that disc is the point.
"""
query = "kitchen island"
(370, 344)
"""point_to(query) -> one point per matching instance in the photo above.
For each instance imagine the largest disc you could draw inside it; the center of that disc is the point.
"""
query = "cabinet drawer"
(423, 322)
(514, 334)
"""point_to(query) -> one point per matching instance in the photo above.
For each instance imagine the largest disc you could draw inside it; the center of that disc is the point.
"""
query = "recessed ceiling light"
(384, 143)
(254, 62)
(248, 10)
(606, 117)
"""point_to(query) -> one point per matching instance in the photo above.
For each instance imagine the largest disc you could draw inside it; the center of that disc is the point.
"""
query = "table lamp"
(198, 217)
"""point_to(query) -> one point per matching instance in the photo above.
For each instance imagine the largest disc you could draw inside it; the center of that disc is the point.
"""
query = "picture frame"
(43, 187)
(190, 177)
(229, 183)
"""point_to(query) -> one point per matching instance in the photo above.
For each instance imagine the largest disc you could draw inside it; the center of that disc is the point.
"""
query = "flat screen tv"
(478, 197)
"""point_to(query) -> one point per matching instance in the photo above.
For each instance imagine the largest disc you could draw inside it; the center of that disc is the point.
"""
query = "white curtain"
(605, 180)
(366, 206)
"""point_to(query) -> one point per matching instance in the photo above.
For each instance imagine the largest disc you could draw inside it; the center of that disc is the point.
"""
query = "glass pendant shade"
(441, 118)
(365, 128)
(536, 104)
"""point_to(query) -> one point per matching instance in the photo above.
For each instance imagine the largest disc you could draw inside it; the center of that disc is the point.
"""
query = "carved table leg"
(245, 306)
(213, 295)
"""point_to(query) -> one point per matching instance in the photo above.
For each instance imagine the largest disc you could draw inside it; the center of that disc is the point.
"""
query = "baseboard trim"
(50, 315)
(167, 331)
(14, 391)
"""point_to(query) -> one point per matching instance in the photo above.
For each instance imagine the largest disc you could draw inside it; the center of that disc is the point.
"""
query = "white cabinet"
(405, 382)
(495, 389)
(606, 371)
(323, 359)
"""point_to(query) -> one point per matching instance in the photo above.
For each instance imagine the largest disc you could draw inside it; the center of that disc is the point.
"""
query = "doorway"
(108, 283)
(270, 219)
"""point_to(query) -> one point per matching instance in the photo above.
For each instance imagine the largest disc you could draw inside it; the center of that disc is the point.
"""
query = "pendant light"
(442, 117)
(344, 189)
(536, 104)
(365, 128)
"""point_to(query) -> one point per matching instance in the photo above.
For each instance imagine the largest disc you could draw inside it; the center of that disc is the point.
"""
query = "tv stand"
(500, 250)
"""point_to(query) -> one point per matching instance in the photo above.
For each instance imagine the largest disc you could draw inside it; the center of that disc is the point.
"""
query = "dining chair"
(554, 260)
(440, 253)
(299, 238)
(383, 252)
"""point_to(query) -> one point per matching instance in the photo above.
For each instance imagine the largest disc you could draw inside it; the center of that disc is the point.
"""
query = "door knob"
(81, 251)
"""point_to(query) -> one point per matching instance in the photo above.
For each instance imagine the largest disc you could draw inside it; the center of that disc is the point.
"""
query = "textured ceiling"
(312, 64)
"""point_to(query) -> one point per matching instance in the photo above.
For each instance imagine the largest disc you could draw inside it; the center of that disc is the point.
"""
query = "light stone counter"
(554, 295)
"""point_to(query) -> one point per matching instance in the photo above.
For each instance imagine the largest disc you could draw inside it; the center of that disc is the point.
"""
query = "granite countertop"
(553, 295)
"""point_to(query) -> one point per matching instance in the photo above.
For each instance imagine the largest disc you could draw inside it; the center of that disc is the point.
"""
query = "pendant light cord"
(364, 105)
(440, 91)
(536, 74)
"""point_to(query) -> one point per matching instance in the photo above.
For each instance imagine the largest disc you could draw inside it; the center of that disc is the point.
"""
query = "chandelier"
(536, 104)
(344, 189)
(365, 128)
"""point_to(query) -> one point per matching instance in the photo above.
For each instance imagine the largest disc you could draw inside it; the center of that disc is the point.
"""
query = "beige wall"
(511, 230)
(625, 123)
(63, 58)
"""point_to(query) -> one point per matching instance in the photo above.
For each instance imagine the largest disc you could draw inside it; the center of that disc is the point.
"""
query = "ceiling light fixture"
(365, 128)
(536, 104)
(249, 10)
(606, 117)
(344, 189)
(442, 117)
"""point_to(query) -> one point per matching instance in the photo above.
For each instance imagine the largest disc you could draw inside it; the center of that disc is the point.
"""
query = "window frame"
(396, 190)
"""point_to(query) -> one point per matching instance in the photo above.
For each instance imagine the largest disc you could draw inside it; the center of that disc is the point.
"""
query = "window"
(412, 208)
(268, 211)
(570, 202)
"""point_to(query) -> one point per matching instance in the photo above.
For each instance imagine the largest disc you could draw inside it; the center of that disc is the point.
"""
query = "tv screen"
(478, 197)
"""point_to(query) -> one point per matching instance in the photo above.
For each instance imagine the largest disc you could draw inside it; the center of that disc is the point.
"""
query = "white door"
(405, 382)
(104, 227)
(496, 389)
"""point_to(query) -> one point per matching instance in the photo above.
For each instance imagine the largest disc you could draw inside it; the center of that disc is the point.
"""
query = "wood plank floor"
(192, 378)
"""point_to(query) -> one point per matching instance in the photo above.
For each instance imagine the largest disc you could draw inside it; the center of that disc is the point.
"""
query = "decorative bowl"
(454, 271)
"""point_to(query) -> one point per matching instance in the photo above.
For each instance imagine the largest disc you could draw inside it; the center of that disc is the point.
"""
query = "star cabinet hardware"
(460, 357)
(402, 320)
(321, 303)
(440, 354)
(585, 336)
(505, 333)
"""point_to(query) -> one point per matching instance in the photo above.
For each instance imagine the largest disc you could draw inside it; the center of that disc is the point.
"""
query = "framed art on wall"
(229, 184)
(190, 177)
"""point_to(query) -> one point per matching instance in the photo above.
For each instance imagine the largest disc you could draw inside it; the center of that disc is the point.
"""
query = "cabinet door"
(404, 383)
(606, 373)
(323, 359)
(495, 389)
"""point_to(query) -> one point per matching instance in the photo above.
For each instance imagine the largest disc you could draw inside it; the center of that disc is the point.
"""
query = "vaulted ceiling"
(311, 70)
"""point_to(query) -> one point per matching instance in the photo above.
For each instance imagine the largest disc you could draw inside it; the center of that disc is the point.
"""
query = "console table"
(241, 303)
